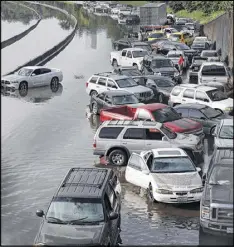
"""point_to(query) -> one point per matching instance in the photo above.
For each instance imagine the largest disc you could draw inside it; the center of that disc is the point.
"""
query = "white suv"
(213, 72)
(193, 93)
(98, 83)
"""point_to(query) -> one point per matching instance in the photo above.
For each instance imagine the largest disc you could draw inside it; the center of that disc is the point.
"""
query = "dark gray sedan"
(206, 115)
(112, 98)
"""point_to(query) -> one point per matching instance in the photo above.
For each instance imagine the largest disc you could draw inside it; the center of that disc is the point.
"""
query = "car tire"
(150, 193)
(93, 93)
(118, 157)
(54, 84)
(160, 98)
(23, 88)
(115, 63)
(212, 130)
(94, 108)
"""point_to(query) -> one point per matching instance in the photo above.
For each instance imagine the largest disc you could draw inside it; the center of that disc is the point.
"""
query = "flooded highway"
(34, 43)
(44, 134)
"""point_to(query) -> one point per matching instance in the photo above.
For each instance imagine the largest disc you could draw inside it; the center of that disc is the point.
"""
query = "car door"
(129, 61)
(136, 171)
(101, 84)
(202, 98)
(123, 58)
(134, 139)
(36, 78)
(47, 76)
(154, 139)
(188, 96)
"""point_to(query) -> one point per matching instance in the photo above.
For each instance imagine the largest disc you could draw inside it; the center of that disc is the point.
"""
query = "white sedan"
(32, 76)
(168, 174)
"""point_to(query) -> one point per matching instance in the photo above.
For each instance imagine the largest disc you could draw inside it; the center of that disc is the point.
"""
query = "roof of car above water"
(191, 105)
(168, 152)
(84, 183)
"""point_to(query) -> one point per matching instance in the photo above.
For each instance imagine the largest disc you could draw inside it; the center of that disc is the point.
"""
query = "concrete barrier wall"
(49, 54)
(220, 31)
(19, 36)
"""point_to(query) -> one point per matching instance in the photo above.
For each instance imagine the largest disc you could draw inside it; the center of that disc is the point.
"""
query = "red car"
(154, 112)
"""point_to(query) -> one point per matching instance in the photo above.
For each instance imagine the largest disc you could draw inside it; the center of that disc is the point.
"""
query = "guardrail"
(19, 36)
(49, 54)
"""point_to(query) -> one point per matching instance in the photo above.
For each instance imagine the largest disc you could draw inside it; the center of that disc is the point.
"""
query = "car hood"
(12, 77)
(56, 234)
(222, 104)
(186, 139)
(165, 69)
(222, 194)
(137, 89)
(183, 125)
(178, 181)
(223, 142)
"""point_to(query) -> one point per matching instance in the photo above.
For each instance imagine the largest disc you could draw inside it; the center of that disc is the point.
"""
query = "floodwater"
(45, 134)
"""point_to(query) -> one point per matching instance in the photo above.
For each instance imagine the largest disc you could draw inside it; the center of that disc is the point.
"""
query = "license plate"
(229, 230)
(182, 199)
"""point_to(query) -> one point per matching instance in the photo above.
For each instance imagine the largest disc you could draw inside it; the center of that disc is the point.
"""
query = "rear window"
(210, 54)
(176, 91)
(110, 132)
(214, 70)
(93, 79)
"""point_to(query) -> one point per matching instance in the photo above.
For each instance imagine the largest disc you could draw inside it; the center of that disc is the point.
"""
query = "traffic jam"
(168, 92)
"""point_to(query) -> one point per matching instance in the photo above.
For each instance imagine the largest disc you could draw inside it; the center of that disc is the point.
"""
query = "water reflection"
(35, 95)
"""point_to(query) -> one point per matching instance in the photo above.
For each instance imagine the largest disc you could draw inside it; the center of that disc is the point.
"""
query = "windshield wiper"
(55, 220)
(78, 220)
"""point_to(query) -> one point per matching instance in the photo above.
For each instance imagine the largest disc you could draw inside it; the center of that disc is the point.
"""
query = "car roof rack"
(107, 74)
(123, 122)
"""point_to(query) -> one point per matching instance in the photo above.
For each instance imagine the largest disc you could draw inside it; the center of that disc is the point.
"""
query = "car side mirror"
(198, 169)
(40, 213)
(33, 74)
(145, 172)
(113, 215)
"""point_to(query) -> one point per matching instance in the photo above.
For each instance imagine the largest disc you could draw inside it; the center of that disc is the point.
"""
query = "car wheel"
(115, 63)
(93, 93)
(95, 108)
(23, 88)
(212, 130)
(150, 193)
(54, 84)
(118, 157)
(160, 98)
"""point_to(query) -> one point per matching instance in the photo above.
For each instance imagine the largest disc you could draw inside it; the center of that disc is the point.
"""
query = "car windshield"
(198, 61)
(174, 55)
(226, 132)
(136, 54)
(164, 83)
(210, 112)
(172, 165)
(182, 47)
(144, 47)
(161, 63)
(221, 175)
(25, 72)
(127, 82)
(156, 35)
(210, 54)
(164, 115)
(216, 95)
(125, 99)
(68, 210)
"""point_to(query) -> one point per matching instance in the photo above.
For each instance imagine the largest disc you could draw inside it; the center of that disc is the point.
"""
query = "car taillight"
(94, 144)
(86, 84)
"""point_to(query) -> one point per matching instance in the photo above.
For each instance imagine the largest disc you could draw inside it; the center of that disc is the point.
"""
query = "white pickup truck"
(128, 57)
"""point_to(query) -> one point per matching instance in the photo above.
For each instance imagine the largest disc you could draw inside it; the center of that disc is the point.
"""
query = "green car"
(206, 115)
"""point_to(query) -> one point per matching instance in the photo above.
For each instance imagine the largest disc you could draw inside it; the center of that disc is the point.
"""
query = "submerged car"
(112, 98)
(32, 76)
(168, 174)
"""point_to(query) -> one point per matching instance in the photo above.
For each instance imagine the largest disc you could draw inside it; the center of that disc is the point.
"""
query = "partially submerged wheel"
(23, 88)
(54, 84)
(118, 157)
(150, 193)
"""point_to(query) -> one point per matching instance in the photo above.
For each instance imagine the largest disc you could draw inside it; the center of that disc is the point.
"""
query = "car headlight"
(205, 212)
(197, 190)
(176, 73)
(162, 191)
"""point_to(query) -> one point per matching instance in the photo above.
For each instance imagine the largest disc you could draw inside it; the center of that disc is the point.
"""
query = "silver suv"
(117, 139)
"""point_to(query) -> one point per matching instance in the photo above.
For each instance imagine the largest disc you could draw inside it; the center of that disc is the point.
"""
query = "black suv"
(160, 65)
(85, 210)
